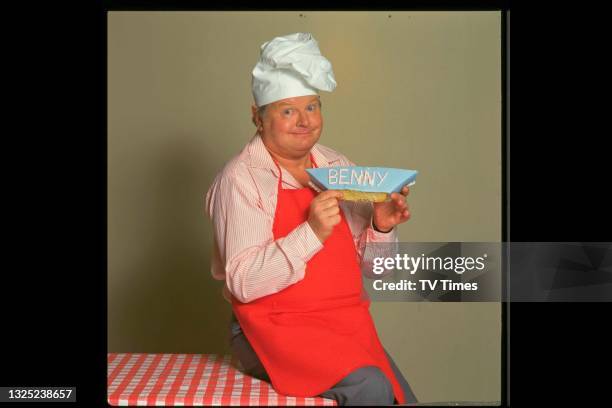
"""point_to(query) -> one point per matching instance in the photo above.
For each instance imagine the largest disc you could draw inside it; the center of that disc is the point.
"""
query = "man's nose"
(303, 119)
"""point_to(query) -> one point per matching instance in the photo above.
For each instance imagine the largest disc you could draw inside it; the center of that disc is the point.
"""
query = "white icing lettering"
(368, 178)
(332, 176)
(382, 178)
(356, 179)
(344, 178)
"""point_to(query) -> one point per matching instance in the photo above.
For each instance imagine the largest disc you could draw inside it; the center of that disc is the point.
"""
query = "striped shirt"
(241, 204)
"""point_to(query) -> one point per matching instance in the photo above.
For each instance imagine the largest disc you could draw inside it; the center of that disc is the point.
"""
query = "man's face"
(292, 126)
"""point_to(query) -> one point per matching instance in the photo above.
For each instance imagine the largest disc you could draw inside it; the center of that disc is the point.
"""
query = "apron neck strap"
(280, 173)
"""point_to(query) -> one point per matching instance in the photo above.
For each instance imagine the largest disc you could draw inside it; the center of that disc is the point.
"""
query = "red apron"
(312, 334)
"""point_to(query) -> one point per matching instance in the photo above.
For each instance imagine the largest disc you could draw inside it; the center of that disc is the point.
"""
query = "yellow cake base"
(352, 195)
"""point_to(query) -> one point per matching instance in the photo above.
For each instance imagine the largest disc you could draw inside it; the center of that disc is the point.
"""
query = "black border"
(505, 304)
(56, 324)
(357, 5)
(54, 156)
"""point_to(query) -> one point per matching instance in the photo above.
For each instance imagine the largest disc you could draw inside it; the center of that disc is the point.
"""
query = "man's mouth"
(302, 132)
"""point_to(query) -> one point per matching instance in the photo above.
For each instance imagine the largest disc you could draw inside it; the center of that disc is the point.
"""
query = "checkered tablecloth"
(189, 379)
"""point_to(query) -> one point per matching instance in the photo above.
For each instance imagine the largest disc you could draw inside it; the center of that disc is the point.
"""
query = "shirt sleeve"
(255, 264)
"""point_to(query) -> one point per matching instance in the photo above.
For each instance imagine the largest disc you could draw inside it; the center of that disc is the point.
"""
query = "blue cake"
(359, 183)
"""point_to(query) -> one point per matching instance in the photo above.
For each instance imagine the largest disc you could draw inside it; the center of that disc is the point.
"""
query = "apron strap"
(280, 173)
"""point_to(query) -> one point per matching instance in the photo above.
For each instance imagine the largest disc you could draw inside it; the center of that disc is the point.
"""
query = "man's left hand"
(388, 214)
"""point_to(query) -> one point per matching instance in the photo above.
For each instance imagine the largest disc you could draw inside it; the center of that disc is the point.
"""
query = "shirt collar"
(260, 157)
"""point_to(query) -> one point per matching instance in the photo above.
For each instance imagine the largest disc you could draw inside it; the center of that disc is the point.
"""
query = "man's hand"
(324, 213)
(391, 213)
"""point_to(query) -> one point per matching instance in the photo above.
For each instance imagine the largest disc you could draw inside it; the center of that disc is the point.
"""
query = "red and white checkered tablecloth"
(189, 379)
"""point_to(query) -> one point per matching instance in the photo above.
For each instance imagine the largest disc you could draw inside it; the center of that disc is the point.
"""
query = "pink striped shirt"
(241, 203)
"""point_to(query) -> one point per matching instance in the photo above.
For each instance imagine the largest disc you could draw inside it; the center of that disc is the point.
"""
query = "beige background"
(417, 90)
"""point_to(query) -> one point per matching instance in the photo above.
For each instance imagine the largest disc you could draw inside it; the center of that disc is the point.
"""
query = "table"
(190, 379)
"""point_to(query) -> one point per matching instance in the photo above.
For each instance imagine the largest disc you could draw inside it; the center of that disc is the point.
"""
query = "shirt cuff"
(377, 236)
(303, 242)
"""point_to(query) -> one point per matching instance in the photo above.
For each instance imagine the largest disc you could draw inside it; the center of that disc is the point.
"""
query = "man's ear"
(254, 116)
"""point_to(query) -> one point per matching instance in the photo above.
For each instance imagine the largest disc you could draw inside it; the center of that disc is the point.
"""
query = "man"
(290, 257)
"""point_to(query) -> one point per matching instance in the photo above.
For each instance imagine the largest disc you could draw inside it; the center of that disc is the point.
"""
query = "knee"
(376, 387)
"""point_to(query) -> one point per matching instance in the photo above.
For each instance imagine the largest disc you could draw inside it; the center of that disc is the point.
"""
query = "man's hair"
(262, 109)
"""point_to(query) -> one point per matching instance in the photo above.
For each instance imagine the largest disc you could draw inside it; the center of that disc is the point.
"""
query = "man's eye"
(288, 111)
(312, 108)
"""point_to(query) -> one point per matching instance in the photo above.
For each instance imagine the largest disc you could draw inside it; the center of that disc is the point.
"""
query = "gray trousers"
(364, 386)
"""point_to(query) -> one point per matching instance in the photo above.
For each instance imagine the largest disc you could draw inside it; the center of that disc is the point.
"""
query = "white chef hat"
(289, 66)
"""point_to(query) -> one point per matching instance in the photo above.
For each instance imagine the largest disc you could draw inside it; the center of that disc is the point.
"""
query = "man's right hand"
(324, 213)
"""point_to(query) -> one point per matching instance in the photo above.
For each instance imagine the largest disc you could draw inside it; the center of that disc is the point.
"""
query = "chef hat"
(291, 66)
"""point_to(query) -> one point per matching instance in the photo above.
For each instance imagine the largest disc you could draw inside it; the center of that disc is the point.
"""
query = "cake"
(359, 183)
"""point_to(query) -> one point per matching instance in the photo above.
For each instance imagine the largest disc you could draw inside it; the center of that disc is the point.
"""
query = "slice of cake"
(359, 183)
